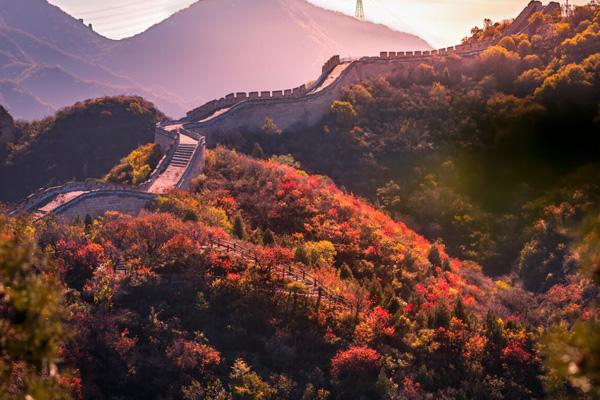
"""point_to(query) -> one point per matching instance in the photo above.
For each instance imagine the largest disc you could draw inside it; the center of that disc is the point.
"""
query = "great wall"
(183, 142)
(307, 104)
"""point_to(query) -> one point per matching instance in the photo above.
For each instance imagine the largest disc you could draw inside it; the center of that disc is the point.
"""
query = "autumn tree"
(31, 314)
(247, 384)
(355, 372)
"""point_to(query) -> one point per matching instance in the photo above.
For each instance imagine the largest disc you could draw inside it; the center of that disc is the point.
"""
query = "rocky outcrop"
(7, 127)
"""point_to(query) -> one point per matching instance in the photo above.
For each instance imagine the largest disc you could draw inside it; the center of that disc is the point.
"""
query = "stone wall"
(39, 198)
(98, 203)
(165, 139)
(196, 165)
(297, 113)
(208, 109)
(461, 49)
(172, 144)
(330, 65)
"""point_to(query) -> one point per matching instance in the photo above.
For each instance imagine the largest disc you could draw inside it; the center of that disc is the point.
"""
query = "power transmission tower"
(568, 9)
(360, 11)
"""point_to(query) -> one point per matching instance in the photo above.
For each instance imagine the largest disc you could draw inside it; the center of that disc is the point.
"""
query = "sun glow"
(440, 22)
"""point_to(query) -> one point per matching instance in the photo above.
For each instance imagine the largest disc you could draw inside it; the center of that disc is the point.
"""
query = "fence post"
(319, 299)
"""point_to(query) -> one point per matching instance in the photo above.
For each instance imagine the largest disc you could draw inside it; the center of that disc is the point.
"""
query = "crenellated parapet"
(461, 49)
(208, 109)
(330, 65)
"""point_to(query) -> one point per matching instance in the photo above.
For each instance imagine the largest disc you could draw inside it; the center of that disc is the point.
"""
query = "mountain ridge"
(198, 53)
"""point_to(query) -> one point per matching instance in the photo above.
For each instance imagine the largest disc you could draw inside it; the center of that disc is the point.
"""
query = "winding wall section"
(96, 197)
(294, 112)
(299, 107)
(305, 106)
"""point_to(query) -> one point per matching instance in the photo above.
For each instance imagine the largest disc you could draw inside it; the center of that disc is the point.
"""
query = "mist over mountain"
(219, 46)
(205, 51)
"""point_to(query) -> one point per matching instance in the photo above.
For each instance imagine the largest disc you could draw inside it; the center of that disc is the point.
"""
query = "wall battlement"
(461, 49)
(41, 196)
(291, 111)
(232, 99)
(207, 111)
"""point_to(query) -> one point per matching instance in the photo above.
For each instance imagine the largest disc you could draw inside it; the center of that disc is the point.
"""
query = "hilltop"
(81, 141)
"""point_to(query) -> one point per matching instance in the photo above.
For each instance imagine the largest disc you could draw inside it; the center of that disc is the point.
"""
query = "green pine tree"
(239, 227)
(267, 237)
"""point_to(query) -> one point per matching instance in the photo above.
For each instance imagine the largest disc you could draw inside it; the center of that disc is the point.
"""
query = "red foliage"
(515, 354)
(78, 262)
(355, 363)
(191, 355)
(377, 326)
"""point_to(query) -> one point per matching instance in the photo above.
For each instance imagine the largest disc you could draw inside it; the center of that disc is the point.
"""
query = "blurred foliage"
(31, 317)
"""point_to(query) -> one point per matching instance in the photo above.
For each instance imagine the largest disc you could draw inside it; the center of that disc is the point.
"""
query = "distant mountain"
(47, 62)
(14, 97)
(202, 52)
(52, 25)
(219, 46)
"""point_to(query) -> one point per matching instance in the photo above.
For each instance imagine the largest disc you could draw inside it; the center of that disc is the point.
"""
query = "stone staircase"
(183, 154)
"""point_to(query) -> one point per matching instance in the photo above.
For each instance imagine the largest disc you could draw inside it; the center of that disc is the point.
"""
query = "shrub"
(355, 371)
(137, 166)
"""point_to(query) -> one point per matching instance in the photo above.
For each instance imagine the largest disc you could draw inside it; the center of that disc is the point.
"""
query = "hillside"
(51, 25)
(239, 330)
(82, 141)
(469, 150)
(28, 106)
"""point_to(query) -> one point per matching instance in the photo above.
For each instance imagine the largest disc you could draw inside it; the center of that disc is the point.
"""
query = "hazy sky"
(441, 22)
